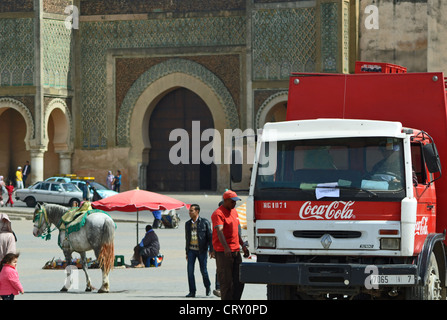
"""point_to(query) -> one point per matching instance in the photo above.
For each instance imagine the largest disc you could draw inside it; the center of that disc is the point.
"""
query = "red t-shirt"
(230, 222)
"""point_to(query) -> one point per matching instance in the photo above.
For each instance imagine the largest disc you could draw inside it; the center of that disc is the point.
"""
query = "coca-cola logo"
(421, 227)
(337, 210)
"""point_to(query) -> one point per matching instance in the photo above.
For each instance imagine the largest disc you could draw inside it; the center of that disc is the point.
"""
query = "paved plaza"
(168, 282)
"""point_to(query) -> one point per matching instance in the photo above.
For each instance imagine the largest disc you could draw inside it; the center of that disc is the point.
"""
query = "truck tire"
(432, 290)
(281, 292)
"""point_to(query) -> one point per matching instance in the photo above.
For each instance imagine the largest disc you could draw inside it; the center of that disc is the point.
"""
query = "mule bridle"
(42, 217)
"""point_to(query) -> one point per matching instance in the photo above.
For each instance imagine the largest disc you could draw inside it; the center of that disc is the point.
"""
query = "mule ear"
(38, 206)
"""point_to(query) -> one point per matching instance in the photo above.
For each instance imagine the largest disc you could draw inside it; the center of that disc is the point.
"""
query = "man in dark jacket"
(198, 235)
(148, 247)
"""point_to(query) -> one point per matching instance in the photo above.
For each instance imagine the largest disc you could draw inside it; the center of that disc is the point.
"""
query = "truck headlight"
(267, 242)
(390, 243)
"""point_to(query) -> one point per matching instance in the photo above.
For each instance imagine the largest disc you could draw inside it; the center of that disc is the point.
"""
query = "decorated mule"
(80, 230)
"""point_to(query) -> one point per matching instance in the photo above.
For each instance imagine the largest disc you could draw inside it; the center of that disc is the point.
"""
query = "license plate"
(392, 279)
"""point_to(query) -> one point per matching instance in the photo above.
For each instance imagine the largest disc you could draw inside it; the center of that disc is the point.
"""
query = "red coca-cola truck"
(346, 197)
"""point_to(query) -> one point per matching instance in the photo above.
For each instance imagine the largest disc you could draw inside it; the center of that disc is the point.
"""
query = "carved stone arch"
(146, 92)
(189, 69)
(6, 103)
(268, 104)
(63, 123)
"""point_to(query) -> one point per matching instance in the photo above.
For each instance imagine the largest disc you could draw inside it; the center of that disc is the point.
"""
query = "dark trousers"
(228, 274)
(202, 257)
(8, 297)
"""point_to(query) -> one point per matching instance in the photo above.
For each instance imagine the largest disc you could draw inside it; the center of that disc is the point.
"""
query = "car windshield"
(98, 186)
(341, 168)
(36, 185)
(70, 187)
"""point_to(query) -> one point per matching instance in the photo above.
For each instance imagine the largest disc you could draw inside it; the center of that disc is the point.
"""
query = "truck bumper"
(329, 275)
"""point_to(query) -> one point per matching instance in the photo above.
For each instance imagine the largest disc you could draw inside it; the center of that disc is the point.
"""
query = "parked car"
(102, 190)
(50, 192)
(59, 179)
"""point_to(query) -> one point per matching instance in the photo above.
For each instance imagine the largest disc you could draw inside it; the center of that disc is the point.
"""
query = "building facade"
(88, 86)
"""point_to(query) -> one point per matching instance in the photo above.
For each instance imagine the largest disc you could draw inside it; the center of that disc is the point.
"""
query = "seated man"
(389, 168)
(148, 247)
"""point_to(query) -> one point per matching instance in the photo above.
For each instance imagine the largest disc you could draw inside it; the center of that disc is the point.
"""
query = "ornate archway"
(273, 109)
(16, 130)
(147, 91)
(179, 109)
(59, 134)
(6, 103)
(57, 108)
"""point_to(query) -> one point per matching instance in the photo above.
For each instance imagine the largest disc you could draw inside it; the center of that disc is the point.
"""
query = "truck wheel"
(432, 290)
(281, 292)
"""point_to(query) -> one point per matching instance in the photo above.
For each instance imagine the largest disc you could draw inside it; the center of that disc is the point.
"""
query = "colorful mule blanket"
(74, 219)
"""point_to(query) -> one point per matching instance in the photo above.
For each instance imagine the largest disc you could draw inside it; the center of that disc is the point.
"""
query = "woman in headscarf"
(109, 180)
(7, 237)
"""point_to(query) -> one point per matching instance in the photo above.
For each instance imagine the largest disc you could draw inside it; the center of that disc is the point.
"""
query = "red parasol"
(137, 200)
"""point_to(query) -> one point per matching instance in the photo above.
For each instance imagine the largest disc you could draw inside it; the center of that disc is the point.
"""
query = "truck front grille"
(337, 234)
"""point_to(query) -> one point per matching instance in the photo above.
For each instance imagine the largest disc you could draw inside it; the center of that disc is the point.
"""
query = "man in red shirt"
(226, 242)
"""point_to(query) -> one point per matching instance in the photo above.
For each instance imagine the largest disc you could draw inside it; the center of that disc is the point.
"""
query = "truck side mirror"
(431, 157)
(236, 166)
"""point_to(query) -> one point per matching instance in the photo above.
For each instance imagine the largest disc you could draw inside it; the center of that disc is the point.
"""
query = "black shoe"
(190, 295)
(208, 292)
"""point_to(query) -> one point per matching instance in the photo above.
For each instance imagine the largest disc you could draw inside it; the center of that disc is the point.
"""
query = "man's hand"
(246, 252)
(227, 252)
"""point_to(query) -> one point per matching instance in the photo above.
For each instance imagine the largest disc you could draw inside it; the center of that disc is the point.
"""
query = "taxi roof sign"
(68, 175)
(83, 178)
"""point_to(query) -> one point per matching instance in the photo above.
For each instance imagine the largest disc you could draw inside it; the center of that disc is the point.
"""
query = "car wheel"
(30, 202)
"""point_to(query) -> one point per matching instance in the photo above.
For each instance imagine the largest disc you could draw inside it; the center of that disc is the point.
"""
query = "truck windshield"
(342, 168)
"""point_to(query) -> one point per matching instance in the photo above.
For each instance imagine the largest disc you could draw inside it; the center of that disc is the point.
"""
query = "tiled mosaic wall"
(329, 32)
(283, 40)
(17, 52)
(105, 7)
(56, 6)
(16, 5)
(57, 54)
(98, 37)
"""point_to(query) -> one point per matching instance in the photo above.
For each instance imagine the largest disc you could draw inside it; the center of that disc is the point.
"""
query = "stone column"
(38, 144)
(65, 162)
(36, 165)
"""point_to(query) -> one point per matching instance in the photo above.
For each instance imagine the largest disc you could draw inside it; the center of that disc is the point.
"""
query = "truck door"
(425, 195)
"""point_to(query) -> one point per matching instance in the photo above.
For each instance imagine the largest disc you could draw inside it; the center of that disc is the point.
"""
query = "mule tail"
(106, 256)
